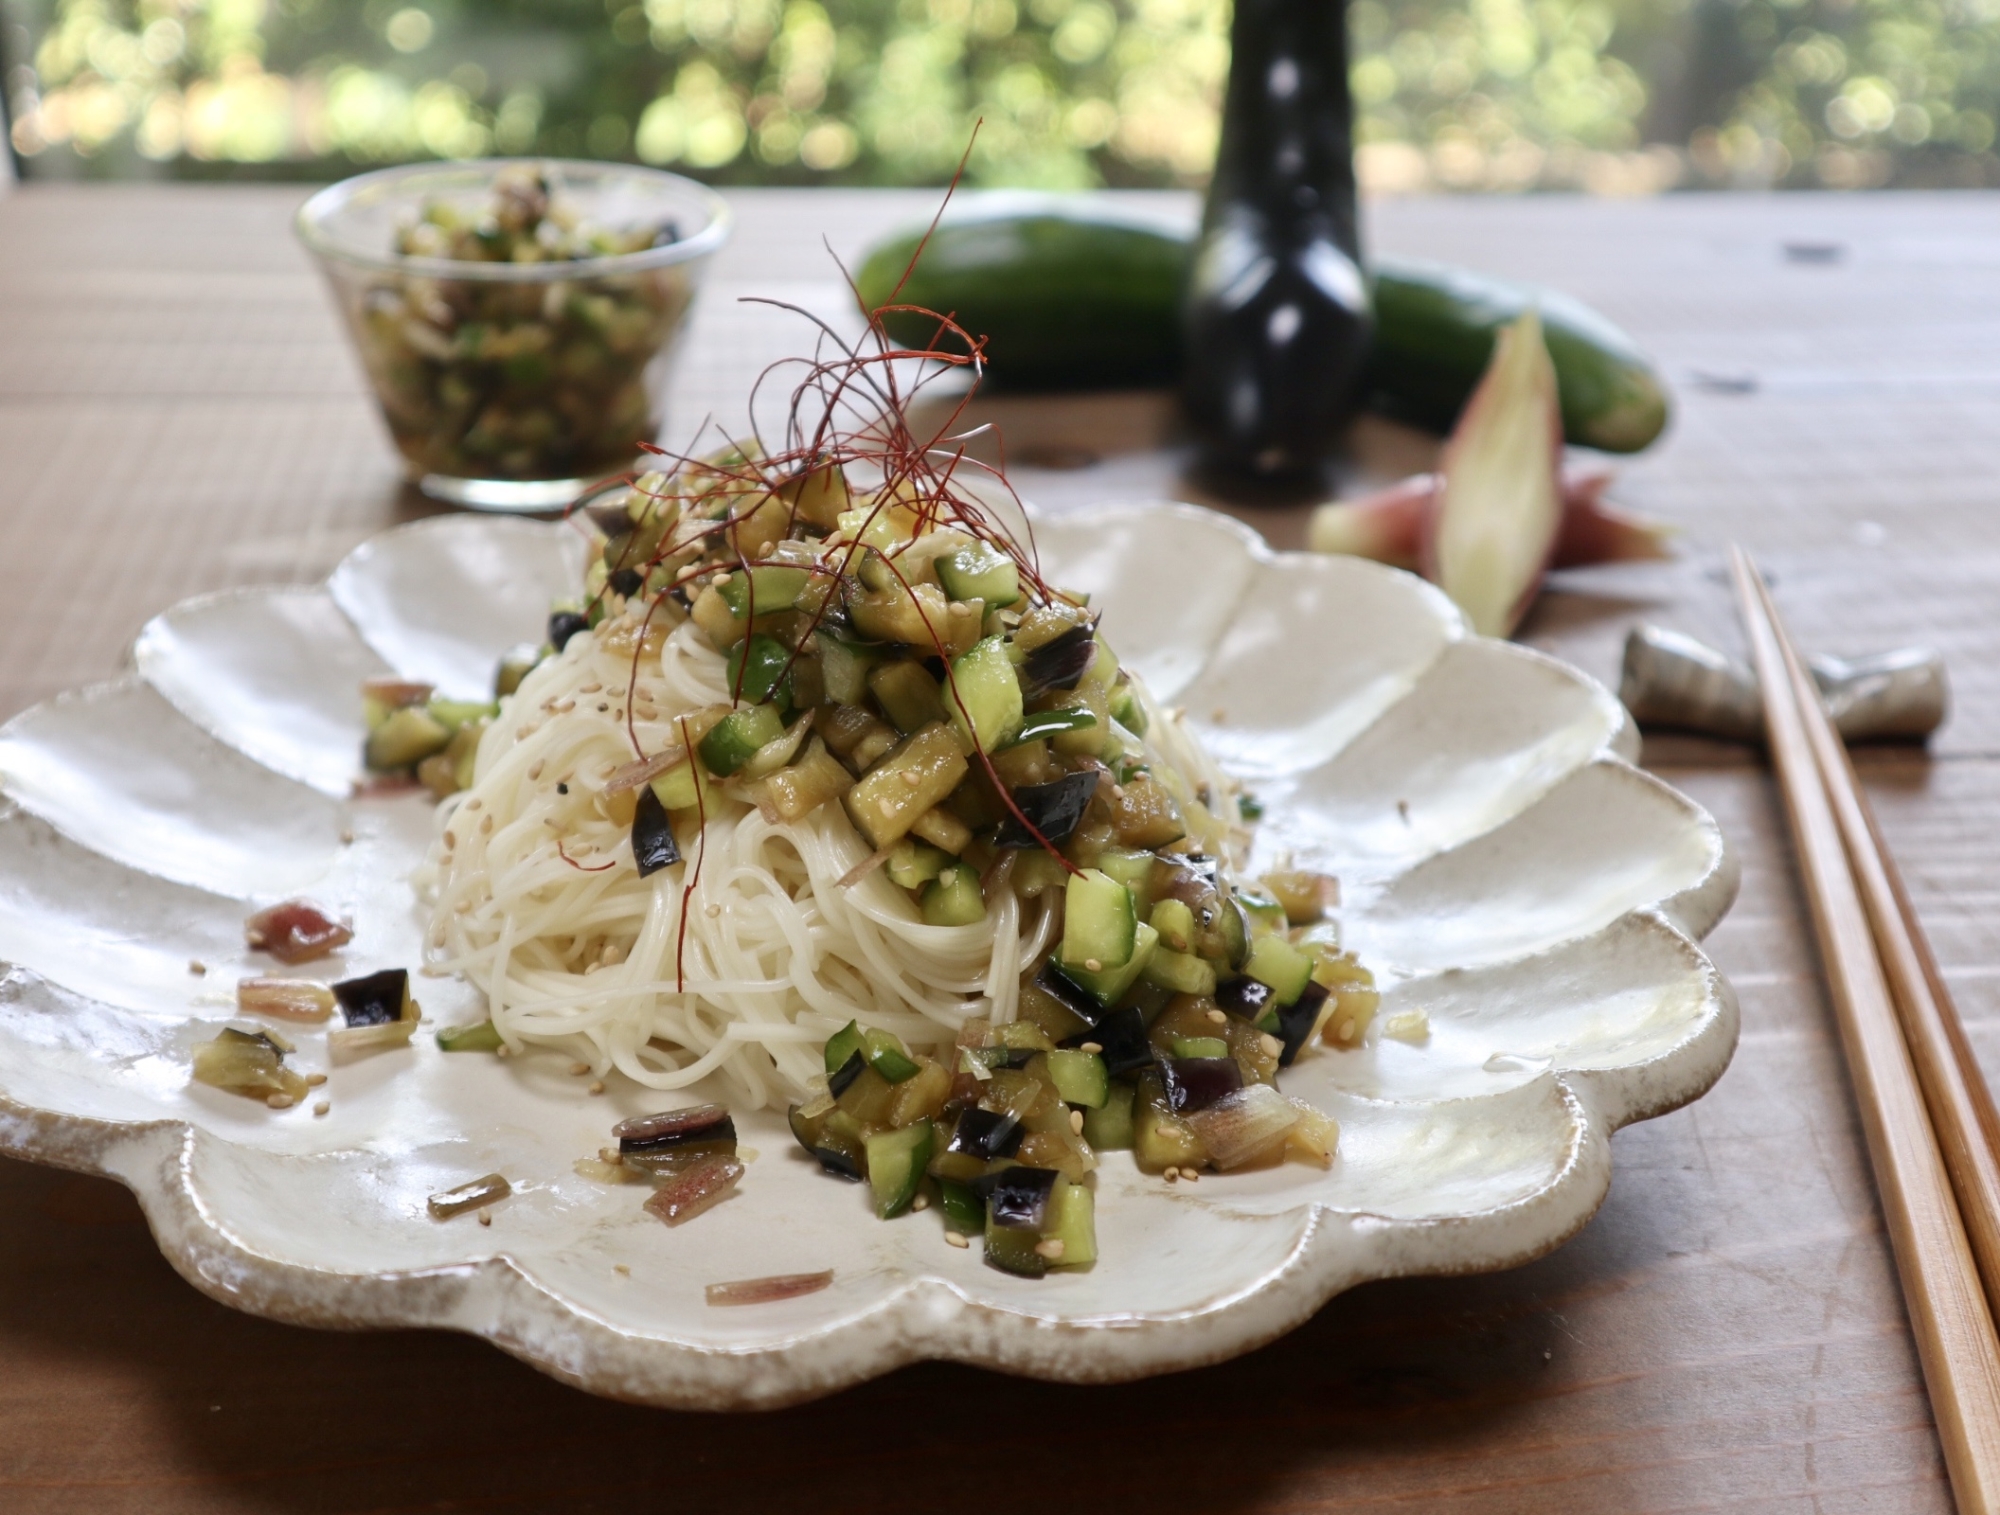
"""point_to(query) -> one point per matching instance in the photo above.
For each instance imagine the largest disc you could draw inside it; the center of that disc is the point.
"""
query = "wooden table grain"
(178, 413)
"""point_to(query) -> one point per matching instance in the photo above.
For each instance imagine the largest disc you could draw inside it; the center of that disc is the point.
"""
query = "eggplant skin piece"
(1060, 663)
(1054, 809)
(675, 1128)
(1195, 1083)
(565, 624)
(986, 1134)
(1296, 1020)
(1122, 1035)
(374, 1000)
(1017, 1198)
(845, 1074)
(1246, 996)
(839, 1164)
(627, 581)
(653, 844)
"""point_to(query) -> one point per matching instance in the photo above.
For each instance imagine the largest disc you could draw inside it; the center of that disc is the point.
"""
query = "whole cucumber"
(1068, 295)
(1071, 296)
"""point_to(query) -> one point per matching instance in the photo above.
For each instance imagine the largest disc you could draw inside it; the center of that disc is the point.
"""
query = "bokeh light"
(1615, 97)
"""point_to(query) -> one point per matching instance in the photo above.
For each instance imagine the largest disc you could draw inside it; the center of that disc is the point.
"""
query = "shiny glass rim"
(313, 217)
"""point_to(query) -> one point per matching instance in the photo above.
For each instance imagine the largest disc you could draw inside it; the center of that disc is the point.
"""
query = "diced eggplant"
(1061, 663)
(700, 1128)
(627, 581)
(1054, 809)
(565, 624)
(899, 789)
(1247, 997)
(1051, 982)
(1122, 1035)
(653, 844)
(1017, 1198)
(1296, 1021)
(838, 1080)
(986, 1134)
(1195, 1083)
(376, 998)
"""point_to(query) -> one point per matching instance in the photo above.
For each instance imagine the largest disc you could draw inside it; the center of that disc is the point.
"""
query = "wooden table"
(178, 412)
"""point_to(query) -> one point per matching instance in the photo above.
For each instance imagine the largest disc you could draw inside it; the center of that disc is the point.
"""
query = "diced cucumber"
(1182, 972)
(1131, 868)
(896, 1162)
(682, 787)
(1126, 709)
(842, 1045)
(1013, 1251)
(1198, 1046)
(1020, 1035)
(913, 864)
(1073, 1222)
(484, 1037)
(406, 737)
(515, 666)
(1264, 913)
(1109, 1127)
(1099, 923)
(1050, 723)
(1174, 920)
(907, 695)
(773, 589)
(1235, 929)
(953, 898)
(452, 714)
(1276, 962)
(1108, 986)
(964, 1210)
(1161, 1140)
(980, 573)
(1079, 1077)
(984, 696)
(759, 663)
(844, 669)
(888, 1056)
(737, 736)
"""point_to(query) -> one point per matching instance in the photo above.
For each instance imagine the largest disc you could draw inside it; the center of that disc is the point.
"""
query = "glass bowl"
(513, 385)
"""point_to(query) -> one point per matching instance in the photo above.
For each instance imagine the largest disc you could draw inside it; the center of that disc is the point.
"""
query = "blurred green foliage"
(1613, 96)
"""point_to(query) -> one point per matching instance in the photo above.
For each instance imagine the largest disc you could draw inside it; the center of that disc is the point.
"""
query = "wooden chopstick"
(1948, 1312)
(1955, 1092)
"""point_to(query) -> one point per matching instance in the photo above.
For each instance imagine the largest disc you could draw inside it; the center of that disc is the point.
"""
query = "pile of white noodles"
(778, 955)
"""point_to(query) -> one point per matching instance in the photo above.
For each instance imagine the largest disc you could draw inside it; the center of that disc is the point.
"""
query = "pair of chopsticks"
(1933, 1135)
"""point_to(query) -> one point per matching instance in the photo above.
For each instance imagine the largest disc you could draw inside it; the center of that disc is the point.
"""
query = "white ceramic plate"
(1505, 867)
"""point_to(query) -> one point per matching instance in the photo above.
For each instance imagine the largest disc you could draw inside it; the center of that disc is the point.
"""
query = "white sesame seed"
(322, 1107)
(598, 1087)
(579, 1069)
(1271, 1045)
(1190, 1175)
(280, 1101)
(485, 1217)
(197, 967)
(1091, 1047)
(1092, 965)
(314, 1080)
(921, 1202)
(620, 1268)
(952, 1238)
(1050, 1247)
(1345, 1030)
(912, 777)
(1218, 1017)
(1173, 1174)
(1076, 1121)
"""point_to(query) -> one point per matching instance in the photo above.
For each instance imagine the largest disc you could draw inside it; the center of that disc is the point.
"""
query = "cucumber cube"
(1109, 1127)
(980, 573)
(1277, 963)
(1079, 1077)
(896, 1161)
(1099, 923)
(983, 696)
